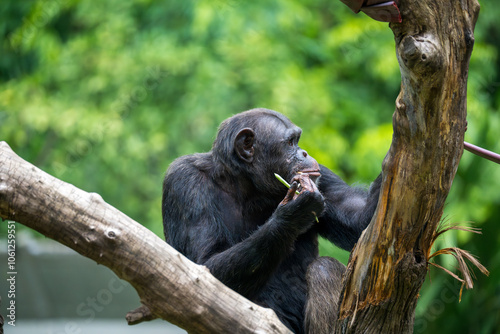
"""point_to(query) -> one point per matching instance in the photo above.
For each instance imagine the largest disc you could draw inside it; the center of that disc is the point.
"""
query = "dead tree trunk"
(388, 266)
(171, 286)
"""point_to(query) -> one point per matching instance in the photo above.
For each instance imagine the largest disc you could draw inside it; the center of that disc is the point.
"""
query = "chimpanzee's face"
(280, 150)
(298, 159)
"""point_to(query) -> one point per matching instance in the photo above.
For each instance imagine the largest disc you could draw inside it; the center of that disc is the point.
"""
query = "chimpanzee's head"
(258, 143)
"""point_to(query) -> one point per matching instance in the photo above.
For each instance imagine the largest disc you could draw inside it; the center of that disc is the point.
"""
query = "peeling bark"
(388, 266)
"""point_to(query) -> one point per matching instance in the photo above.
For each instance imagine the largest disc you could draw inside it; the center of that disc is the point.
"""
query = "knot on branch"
(95, 197)
(112, 237)
(111, 234)
(140, 314)
(420, 54)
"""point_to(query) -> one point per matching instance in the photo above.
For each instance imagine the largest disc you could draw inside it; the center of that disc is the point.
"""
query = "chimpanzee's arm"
(197, 221)
(247, 266)
(348, 210)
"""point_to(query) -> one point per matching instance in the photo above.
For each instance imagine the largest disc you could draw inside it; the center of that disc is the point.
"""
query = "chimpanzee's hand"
(300, 210)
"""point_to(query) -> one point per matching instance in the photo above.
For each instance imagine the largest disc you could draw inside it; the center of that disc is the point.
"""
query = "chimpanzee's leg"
(324, 284)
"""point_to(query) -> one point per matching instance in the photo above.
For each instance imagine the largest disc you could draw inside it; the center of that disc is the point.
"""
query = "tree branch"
(169, 285)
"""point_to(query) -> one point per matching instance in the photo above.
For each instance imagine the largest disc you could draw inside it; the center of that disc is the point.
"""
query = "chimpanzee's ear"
(243, 144)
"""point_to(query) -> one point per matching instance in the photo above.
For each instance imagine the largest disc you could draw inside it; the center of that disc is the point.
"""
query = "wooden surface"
(388, 266)
(174, 288)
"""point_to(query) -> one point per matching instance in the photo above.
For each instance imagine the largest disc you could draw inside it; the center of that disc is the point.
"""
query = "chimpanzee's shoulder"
(188, 178)
(193, 165)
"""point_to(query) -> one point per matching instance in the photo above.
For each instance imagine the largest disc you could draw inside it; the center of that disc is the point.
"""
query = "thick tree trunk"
(388, 266)
(171, 286)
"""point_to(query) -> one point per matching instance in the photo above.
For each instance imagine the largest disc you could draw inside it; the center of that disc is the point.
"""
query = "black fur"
(223, 209)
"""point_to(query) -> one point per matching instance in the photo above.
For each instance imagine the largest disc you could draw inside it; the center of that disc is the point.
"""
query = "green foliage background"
(105, 94)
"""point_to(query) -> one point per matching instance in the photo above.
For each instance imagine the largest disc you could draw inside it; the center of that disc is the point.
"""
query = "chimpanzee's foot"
(380, 10)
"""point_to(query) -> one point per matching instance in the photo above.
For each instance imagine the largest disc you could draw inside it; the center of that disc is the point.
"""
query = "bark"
(388, 266)
(172, 287)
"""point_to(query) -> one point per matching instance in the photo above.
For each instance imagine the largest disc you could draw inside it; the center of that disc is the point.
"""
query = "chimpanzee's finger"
(290, 195)
(305, 182)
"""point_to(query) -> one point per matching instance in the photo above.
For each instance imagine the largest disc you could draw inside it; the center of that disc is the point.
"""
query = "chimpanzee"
(225, 209)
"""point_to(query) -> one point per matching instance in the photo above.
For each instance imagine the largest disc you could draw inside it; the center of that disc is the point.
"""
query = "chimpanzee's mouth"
(314, 174)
